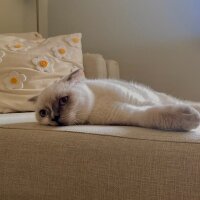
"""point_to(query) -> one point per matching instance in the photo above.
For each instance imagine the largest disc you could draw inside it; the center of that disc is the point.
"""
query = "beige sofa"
(95, 66)
(96, 162)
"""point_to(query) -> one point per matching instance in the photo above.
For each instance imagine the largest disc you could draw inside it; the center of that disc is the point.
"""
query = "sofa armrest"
(112, 69)
(96, 67)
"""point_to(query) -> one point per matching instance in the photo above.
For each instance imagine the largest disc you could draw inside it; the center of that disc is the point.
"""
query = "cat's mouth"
(57, 123)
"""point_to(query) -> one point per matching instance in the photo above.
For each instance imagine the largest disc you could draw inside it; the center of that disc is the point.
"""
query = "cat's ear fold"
(33, 99)
(75, 76)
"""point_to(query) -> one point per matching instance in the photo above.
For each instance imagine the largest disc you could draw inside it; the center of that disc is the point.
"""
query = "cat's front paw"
(190, 117)
(181, 117)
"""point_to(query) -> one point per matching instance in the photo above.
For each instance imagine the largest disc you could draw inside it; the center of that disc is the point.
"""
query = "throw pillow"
(26, 35)
(28, 66)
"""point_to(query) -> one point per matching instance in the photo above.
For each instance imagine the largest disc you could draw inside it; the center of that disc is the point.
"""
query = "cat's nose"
(56, 118)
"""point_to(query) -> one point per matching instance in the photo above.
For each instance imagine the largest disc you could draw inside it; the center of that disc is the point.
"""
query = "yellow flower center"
(18, 46)
(75, 40)
(13, 80)
(43, 63)
(61, 50)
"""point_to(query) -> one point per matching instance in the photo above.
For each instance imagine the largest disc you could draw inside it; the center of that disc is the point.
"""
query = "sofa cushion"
(96, 162)
(26, 121)
(94, 66)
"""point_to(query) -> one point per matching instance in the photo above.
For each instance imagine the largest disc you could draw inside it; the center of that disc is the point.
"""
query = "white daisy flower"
(18, 45)
(74, 40)
(62, 53)
(14, 80)
(2, 54)
(43, 63)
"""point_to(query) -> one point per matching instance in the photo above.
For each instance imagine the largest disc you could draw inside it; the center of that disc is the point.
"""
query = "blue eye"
(63, 100)
(43, 113)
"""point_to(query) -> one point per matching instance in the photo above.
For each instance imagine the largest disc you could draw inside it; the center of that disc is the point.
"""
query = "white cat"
(74, 101)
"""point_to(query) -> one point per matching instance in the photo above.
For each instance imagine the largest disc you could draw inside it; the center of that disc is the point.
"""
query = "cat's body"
(69, 102)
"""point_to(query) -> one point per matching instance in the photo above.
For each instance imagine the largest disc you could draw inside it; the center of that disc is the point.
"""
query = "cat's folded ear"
(75, 76)
(33, 99)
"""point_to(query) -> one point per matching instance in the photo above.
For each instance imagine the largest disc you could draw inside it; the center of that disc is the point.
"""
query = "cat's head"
(65, 102)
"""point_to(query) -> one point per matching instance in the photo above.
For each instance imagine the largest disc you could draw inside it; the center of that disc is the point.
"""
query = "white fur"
(120, 102)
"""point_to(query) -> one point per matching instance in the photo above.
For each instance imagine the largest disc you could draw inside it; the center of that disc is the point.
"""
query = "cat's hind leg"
(165, 117)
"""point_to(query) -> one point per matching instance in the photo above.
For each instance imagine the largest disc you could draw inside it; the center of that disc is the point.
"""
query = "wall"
(17, 16)
(42, 7)
(157, 42)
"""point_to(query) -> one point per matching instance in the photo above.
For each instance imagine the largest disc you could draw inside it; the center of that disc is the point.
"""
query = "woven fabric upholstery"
(96, 162)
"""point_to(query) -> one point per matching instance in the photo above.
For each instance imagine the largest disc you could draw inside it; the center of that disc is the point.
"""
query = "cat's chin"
(51, 124)
(57, 124)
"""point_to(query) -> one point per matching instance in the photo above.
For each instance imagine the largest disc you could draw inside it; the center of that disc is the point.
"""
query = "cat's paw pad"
(181, 117)
(184, 109)
(191, 117)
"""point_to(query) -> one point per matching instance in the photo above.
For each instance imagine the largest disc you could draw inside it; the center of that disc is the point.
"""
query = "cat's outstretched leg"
(169, 117)
(195, 105)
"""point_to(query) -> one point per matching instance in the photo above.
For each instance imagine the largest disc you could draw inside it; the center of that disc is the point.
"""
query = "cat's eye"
(63, 100)
(43, 113)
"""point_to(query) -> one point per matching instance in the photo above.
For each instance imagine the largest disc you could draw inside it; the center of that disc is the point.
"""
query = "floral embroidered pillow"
(26, 35)
(28, 66)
